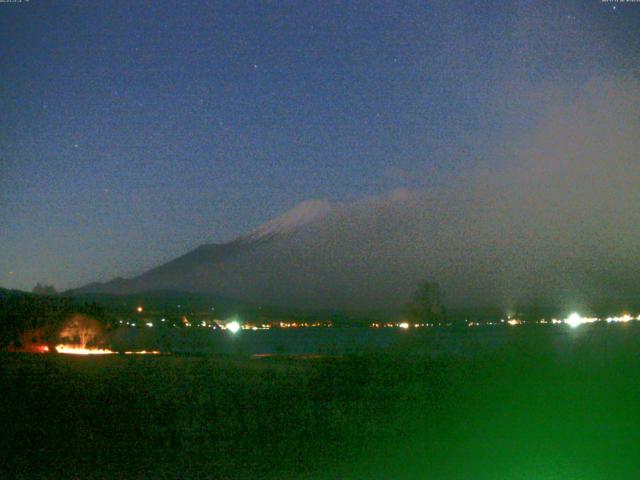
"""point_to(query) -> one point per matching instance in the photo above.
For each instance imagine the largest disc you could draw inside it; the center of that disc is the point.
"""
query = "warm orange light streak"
(143, 352)
(74, 350)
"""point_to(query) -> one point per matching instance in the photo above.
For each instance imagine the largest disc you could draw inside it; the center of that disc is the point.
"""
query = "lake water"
(340, 341)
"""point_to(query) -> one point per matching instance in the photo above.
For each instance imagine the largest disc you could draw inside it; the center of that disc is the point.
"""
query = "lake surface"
(340, 341)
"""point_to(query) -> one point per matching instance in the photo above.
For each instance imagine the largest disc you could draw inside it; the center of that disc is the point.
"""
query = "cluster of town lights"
(234, 326)
(575, 320)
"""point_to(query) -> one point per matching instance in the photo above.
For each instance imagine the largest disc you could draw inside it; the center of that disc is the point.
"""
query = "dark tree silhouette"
(44, 290)
(427, 305)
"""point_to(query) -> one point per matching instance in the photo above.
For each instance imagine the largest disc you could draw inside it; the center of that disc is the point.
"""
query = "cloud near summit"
(553, 215)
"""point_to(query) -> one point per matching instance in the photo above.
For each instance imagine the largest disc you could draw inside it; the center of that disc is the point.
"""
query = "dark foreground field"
(525, 412)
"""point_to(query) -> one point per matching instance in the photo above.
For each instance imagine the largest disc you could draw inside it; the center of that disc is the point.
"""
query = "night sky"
(134, 131)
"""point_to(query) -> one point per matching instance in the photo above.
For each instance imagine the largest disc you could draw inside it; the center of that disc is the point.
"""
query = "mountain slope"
(313, 256)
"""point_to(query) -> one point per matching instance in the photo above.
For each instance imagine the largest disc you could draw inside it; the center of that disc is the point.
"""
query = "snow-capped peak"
(301, 214)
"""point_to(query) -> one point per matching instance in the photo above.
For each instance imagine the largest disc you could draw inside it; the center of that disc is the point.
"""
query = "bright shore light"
(575, 320)
(233, 327)
(404, 325)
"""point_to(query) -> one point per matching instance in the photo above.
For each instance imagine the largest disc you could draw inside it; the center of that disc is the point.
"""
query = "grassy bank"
(523, 412)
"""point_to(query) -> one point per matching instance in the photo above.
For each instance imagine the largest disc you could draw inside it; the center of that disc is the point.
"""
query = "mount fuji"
(298, 259)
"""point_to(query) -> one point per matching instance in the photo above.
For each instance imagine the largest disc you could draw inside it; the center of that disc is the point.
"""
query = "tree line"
(22, 312)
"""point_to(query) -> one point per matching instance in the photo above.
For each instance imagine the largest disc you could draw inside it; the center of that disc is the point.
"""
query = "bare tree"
(81, 330)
